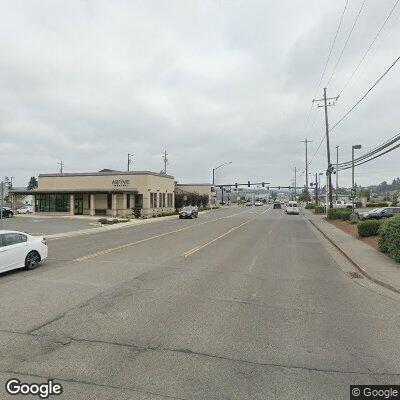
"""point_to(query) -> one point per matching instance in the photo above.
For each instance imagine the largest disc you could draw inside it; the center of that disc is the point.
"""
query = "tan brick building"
(108, 192)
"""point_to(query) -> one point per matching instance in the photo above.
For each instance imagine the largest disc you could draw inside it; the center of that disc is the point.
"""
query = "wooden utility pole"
(61, 164)
(337, 173)
(329, 170)
(165, 161)
(306, 141)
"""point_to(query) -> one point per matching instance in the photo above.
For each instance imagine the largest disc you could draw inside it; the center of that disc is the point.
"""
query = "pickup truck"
(341, 204)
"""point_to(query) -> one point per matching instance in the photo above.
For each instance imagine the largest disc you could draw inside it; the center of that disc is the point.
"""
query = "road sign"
(353, 193)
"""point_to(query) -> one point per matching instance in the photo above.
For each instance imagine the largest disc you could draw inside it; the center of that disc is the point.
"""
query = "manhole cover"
(355, 275)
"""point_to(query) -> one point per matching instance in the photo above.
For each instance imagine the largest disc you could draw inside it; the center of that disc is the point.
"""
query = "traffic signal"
(268, 187)
(236, 185)
(248, 183)
(279, 188)
(263, 184)
(289, 187)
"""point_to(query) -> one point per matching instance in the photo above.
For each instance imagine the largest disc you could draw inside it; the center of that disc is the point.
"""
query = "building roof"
(107, 172)
(194, 184)
(73, 191)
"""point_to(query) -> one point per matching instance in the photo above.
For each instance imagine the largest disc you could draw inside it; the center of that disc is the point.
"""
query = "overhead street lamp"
(354, 147)
(214, 169)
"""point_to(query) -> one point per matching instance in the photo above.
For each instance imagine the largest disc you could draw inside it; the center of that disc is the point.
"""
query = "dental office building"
(104, 193)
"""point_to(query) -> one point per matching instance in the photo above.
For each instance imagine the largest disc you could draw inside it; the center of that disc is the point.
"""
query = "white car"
(292, 208)
(25, 210)
(19, 250)
(258, 203)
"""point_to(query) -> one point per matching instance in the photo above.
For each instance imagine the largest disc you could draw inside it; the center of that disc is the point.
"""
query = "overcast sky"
(209, 81)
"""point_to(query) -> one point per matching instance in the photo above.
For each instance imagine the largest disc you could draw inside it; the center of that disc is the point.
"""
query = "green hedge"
(389, 237)
(310, 206)
(319, 210)
(339, 213)
(378, 204)
(369, 227)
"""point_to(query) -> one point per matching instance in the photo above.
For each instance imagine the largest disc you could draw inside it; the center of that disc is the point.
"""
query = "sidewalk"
(374, 265)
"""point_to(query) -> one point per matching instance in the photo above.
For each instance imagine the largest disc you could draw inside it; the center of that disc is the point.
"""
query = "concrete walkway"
(373, 264)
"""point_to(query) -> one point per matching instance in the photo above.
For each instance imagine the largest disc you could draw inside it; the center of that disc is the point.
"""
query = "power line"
(345, 44)
(377, 149)
(331, 49)
(369, 47)
(373, 158)
(365, 94)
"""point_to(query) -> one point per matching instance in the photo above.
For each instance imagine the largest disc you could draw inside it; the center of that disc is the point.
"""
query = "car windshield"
(186, 209)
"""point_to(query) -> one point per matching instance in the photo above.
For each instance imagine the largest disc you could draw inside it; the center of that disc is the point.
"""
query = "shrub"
(377, 204)
(369, 227)
(103, 221)
(389, 237)
(137, 211)
(319, 210)
(310, 206)
(339, 213)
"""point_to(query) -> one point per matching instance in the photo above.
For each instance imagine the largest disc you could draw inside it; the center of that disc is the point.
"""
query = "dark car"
(189, 212)
(380, 213)
(6, 212)
(277, 204)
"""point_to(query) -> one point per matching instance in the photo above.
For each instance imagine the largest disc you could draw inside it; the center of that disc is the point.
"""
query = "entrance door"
(78, 204)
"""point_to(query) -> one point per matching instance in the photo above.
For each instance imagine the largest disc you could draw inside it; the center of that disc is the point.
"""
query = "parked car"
(25, 210)
(6, 212)
(189, 212)
(277, 204)
(380, 213)
(18, 250)
(292, 208)
(248, 204)
(258, 203)
(342, 204)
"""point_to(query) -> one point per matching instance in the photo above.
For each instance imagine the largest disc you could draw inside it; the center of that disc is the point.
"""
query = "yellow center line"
(198, 248)
(123, 246)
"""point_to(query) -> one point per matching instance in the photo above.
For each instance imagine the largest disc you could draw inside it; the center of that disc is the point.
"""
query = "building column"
(114, 205)
(92, 205)
(34, 205)
(124, 201)
(14, 203)
(72, 204)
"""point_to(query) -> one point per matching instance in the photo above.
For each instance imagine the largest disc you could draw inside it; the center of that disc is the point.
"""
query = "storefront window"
(52, 202)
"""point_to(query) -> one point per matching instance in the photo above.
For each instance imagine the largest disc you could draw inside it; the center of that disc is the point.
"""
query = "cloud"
(209, 81)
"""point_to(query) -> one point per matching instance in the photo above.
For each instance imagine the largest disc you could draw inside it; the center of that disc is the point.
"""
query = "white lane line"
(198, 248)
(123, 246)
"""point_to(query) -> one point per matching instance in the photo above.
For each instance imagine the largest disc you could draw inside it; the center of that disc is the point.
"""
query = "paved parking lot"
(46, 226)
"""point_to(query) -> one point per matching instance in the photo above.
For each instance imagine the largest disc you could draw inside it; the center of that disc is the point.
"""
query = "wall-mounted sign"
(120, 182)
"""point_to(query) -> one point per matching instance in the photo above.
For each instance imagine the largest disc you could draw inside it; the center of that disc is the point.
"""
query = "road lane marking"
(123, 246)
(198, 248)
(265, 211)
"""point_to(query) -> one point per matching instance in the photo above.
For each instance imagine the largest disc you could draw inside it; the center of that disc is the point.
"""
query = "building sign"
(120, 182)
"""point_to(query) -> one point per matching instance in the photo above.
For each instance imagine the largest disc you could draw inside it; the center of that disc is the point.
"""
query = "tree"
(305, 195)
(33, 183)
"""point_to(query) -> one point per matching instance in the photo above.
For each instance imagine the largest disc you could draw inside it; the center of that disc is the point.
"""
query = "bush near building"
(389, 237)
(339, 213)
(319, 210)
(190, 199)
(377, 204)
(369, 227)
(310, 206)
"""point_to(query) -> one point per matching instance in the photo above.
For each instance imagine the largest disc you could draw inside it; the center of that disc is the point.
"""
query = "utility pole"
(328, 151)
(295, 183)
(337, 173)
(165, 161)
(316, 189)
(129, 161)
(61, 164)
(306, 141)
(1, 203)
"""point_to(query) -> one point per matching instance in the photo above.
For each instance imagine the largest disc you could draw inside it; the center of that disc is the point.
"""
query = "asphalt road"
(39, 225)
(245, 303)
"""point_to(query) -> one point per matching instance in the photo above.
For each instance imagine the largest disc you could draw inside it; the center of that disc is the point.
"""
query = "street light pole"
(129, 160)
(354, 147)
(213, 174)
(337, 172)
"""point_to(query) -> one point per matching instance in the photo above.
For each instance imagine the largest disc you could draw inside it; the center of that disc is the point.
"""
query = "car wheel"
(10, 215)
(32, 260)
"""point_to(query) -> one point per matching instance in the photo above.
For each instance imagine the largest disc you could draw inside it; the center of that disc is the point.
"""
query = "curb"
(358, 266)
